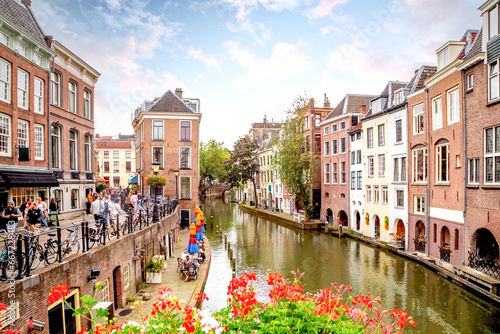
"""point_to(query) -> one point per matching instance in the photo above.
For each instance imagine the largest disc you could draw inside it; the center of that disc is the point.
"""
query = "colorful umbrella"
(202, 221)
(199, 234)
(193, 244)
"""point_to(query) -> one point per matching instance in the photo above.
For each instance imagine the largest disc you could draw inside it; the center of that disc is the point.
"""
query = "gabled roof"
(388, 94)
(476, 46)
(469, 38)
(22, 17)
(169, 102)
(350, 104)
(418, 80)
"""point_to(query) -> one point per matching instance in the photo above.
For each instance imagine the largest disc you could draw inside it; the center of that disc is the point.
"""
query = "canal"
(261, 246)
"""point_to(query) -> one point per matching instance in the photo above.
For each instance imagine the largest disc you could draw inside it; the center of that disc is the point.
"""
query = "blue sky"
(248, 58)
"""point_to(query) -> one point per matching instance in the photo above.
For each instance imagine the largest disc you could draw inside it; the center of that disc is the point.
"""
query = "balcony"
(445, 253)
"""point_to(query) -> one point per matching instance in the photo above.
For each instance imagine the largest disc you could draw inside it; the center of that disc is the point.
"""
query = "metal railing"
(444, 253)
(484, 265)
(24, 251)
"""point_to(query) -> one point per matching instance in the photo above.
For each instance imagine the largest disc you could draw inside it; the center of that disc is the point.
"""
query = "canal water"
(261, 246)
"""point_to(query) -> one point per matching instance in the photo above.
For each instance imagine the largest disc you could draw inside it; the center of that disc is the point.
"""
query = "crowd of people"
(187, 261)
(33, 213)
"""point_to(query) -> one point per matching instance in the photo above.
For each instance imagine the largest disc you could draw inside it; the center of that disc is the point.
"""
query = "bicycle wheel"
(65, 249)
(34, 257)
(124, 228)
(75, 246)
(50, 252)
(10, 267)
(92, 237)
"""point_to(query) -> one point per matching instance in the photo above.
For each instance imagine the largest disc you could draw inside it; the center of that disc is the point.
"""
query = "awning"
(3, 184)
(133, 179)
(23, 180)
(100, 179)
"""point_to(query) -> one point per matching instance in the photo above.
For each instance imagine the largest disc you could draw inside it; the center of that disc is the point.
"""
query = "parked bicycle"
(71, 245)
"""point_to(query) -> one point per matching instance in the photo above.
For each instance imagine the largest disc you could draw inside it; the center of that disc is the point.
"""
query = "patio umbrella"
(193, 244)
(202, 221)
(199, 234)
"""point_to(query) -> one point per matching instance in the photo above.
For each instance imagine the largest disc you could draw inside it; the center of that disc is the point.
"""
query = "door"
(316, 203)
(116, 273)
(184, 218)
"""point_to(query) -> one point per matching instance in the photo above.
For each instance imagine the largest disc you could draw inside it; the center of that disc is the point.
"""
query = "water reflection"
(260, 246)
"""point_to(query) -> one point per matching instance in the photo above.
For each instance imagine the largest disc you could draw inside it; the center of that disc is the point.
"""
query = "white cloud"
(286, 60)
(327, 29)
(207, 60)
(324, 8)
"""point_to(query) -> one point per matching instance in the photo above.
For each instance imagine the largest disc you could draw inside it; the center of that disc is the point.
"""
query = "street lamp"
(176, 173)
(156, 168)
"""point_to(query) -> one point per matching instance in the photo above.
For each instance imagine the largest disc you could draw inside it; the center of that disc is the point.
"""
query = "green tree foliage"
(294, 167)
(243, 163)
(100, 186)
(212, 158)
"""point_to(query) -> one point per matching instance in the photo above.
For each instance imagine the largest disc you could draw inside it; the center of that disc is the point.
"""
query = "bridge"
(214, 190)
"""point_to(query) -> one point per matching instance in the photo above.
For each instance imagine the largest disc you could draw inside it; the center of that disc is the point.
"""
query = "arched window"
(55, 87)
(419, 162)
(73, 88)
(55, 142)
(87, 104)
(72, 150)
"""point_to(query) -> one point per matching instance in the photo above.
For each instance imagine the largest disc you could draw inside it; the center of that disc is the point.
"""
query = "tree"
(292, 162)
(243, 163)
(212, 158)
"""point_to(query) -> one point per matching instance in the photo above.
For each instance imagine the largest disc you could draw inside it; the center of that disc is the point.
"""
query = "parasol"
(193, 244)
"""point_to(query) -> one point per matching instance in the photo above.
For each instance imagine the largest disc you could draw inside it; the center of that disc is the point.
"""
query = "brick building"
(71, 143)
(436, 189)
(25, 59)
(336, 157)
(116, 159)
(167, 132)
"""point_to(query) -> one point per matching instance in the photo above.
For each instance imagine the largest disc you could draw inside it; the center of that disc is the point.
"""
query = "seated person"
(184, 254)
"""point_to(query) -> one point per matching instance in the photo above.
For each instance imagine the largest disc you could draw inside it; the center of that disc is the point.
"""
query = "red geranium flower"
(57, 292)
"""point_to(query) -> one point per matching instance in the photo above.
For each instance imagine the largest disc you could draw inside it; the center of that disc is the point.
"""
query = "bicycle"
(71, 245)
(49, 254)
(95, 233)
(8, 258)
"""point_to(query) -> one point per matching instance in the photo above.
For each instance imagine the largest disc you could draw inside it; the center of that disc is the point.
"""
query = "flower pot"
(153, 278)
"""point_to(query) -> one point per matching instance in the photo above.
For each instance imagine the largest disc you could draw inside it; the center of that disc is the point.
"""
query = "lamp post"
(156, 168)
(176, 173)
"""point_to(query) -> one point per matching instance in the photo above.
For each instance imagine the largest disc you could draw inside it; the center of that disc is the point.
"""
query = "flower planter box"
(154, 278)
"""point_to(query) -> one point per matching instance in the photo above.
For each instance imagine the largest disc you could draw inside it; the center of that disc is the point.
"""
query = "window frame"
(38, 96)
(439, 162)
(8, 137)
(343, 145)
(23, 133)
(6, 80)
(72, 97)
(398, 131)
(493, 78)
(189, 158)
(416, 200)
(376, 194)
(162, 162)
(335, 147)
(437, 114)
(343, 172)
(474, 171)
(326, 173)
(371, 165)
(453, 109)
(334, 128)
(492, 156)
(397, 197)
(181, 131)
(55, 97)
(385, 195)
(23, 102)
(39, 144)
(56, 138)
(73, 156)
(180, 187)
(353, 180)
(335, 173)
(162, 128)
(116, 154)
(368, 194)
(418, 119)
(87, 105)
(359, 177)
(381, 165)
(126, 276)
(326, 130)
(381, 134)
(470, 81)
(87, 147)
(342, 125)
(326, 145)
(415, 164)
(369, 137)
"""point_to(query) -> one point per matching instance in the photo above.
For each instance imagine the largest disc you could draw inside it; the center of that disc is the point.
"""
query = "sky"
(246, 59)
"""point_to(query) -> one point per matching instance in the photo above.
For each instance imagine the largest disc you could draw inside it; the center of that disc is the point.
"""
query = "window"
(22, 89)
(327, 148)
(87, 153)
(399, 97)
(157, 130)
(419, 204)
(317, 119)
(342, 145)
(106, 166)
(334, 128)
(334, 173)
(442, 161)
(55, 146)
(5, 81)
(4, 39)
(126, 276)
(343, 172)
(334, 146)
(105, 291)
(327, 173)
(185, 187)
(55, 81)
(376, 194)
(437, 114)
(116, 154)
(39, 148)
(342, 125)
(368, 194)
(381, 165)
(418, 119)
(353, 137)
(60, 316)
(128, 166)
(453, 110)
(58, 196)
(457, 160)
(493, 22)
(116, 166)
(443, 58)
(72, 150)
(37, 59)
(371, 166)
(360, 180)
(353, 157)
(385, 195)
(326, 130)
(395, 177)
(474, 170)
(9, 315)
(185, 157)
(398, 124)
(86, 104)
(23, 130)
(128, 154)
(22, 50)
(400, 199)
(358, 153)
(353, 180)
(492, 155)
(74, 198)
(470, 81)
(185, 131)
(420, 165)
(381, 135)
(403, 169)
(72, 97)
(38, 93)
(158, 155)
(5, 135)
(369, 137)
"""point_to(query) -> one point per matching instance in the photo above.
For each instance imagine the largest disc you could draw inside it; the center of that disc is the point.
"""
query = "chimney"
(265, 121)
(27, 3)
(178, 92)
(97, 135)
(362, 108)
(326, 103)
(48, 40)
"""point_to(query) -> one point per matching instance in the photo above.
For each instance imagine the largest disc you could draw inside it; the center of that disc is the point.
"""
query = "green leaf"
(79, 311)
(101, 312)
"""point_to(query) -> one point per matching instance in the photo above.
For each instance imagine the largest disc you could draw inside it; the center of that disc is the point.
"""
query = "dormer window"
(443, 58)
(4, 39)
(377, 105)
(493, 22)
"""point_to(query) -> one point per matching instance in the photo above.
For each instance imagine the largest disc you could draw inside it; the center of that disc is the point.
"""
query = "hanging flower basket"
(156, 180)
(367, 219)
(386, 223)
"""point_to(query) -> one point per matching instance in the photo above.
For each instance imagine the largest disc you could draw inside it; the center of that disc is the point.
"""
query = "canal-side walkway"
(455, 274)
(184, 291)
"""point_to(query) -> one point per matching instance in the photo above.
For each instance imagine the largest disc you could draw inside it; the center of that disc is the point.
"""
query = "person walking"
(97, 208)
(24, 212)
(133, 199)
(123, 198)
(11, 213)
(90, 199)
(53, 206)
(42, 205)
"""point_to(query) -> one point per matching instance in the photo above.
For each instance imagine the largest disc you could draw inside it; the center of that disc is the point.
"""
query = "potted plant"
(156, 180)
(386, 223)
(367, 219)
(154, 268)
